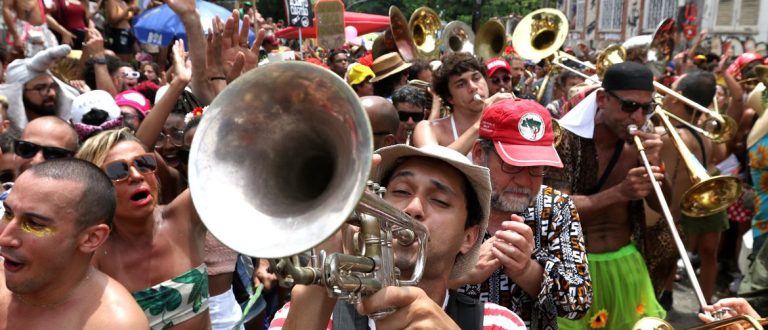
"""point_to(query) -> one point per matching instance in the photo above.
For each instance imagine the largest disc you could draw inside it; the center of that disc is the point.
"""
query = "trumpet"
(741, 321)
(285, 152)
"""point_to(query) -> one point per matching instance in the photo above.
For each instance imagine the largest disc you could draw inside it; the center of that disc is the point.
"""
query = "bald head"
(47, 131)
(384, 119)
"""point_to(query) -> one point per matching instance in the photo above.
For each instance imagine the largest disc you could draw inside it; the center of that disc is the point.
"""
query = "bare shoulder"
(117, 309)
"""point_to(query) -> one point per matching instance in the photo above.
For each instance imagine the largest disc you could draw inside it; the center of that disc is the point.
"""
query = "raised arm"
(187, 11)
(94, 46)
(9, 17)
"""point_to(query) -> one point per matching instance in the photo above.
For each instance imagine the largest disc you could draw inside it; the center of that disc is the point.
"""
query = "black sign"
(299, 13)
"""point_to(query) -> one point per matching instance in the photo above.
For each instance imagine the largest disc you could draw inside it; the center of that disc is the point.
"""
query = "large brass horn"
(401, 33)
(490, 40)
(457, 36)
(424, 26)
(285, 152)
(662, 46)
(540, 34)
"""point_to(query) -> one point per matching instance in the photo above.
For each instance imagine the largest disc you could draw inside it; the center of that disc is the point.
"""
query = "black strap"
(466, 311)
(701, 144)
(614, 159)
(345, 317)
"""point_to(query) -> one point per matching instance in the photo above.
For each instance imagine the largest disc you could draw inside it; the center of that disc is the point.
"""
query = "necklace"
(62, 301)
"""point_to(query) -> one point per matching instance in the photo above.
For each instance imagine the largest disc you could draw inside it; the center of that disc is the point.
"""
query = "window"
(611, 14)
(737, 15)
(579, 19)
(657, 11)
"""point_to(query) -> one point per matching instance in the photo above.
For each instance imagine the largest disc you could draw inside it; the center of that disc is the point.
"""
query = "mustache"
(515, 190)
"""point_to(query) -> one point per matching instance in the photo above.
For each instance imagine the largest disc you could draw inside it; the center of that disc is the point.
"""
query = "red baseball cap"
(521, 132)
(497, 64)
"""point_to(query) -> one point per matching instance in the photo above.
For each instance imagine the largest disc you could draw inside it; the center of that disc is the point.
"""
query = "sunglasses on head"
(28, 150)
(505, 78)
(416, 116)
(120, 170)
(632, 106)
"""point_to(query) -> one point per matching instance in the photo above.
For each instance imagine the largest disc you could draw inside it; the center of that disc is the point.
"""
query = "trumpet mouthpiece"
(477, 97)
(631, 128)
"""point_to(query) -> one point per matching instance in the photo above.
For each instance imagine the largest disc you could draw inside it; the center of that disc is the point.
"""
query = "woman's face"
(137, 195)
(171, 139)
(149, 72)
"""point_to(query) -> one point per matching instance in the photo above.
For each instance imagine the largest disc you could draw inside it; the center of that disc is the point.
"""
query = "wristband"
(218, 78)
(100, 60)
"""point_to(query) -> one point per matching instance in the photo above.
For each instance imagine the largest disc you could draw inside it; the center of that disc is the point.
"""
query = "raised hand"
(181, 7)
(180, 69)
(486, 264)
(237, 57)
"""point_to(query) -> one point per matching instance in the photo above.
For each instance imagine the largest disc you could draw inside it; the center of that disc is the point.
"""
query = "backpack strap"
(466, 311)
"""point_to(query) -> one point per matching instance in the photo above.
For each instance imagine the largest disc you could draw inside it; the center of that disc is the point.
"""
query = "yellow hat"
(357, 73)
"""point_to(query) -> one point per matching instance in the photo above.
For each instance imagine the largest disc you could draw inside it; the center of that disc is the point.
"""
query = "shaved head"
(384, 119)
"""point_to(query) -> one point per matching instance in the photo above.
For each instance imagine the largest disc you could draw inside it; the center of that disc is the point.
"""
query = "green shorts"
(715, 223)
(621, 292)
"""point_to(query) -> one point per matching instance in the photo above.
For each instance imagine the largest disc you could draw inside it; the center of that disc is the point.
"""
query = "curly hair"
(454, 64)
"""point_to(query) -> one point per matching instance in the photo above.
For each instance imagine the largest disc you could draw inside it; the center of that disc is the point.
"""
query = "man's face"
(46, 135)
(415, 114)
(611, 114)
(517, 69)
(40, 95)
(339, 64)
(499, 81)
(364, 88)
(570, 82)
(125, 78)
(463, 89)
(432, 192)
(38, 233)
(513, 187)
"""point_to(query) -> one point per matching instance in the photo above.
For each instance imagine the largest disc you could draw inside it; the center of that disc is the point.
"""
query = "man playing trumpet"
(606, 181)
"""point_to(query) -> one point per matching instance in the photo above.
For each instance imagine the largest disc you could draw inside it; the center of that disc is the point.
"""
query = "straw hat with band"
(387, 65)
(479, 178)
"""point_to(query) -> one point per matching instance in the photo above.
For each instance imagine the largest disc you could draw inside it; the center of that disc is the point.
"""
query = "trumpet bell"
(401, 33)
(424, 26)
(490, 40)
(457, 36)
(652, 323)
(540, 33)
(710, 196)
(284, 151)
(383, 44)
(720, 131)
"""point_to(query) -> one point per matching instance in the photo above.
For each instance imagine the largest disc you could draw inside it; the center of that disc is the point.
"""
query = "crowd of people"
(540, 213)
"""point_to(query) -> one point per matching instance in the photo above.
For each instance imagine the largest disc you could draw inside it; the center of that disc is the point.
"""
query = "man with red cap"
(499, 77)
(533, 259)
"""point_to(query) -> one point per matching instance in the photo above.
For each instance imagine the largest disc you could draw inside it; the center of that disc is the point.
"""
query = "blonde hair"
(96, 148)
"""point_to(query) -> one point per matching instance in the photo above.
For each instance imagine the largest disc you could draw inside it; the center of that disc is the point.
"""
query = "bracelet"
(218, 78)
(99, 60)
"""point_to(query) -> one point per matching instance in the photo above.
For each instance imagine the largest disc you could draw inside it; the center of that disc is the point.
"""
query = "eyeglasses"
(120, 170)
(176, 137)
(405, 115)
(132, 74)
(505, 78)
(537, 171)
(632, 106)
(43, 89)
(28, 150)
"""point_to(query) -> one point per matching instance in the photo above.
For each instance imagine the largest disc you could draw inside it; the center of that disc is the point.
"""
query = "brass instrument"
(539, 35)
(490, 40)
(457, 36)
(285, 151)
(424, 26)
(758, 97)
(383, 44)
(401, 34)
(742, 321)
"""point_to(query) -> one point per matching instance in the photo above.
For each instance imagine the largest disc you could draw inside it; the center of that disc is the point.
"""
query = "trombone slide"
(668, 217)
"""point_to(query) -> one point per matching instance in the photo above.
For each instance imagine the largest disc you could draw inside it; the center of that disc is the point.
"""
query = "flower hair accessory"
(196, 112)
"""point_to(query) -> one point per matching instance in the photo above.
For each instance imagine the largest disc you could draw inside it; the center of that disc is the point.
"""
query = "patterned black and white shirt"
(566, 289)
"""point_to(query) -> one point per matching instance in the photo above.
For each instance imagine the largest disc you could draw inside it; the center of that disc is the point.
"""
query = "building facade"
(599, 23)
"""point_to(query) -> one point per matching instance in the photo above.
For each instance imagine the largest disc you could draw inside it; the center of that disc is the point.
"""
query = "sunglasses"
(28, 150)
(120, 170)
(505, 78)
(132, 74)
(405, 115)
(632, 106)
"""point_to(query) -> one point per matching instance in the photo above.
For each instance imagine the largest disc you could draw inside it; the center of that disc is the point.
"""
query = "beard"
(512, 204)
(40, 109)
